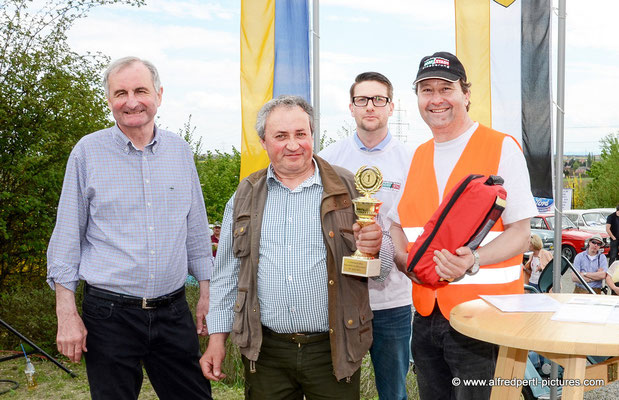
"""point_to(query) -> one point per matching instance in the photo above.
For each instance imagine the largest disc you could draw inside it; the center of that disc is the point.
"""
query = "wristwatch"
(475, 267)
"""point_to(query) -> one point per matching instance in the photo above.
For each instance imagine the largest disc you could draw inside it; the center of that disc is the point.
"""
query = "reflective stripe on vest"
(491, 276)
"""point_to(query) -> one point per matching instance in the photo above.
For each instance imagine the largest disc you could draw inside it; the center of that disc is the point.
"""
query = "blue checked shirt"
(130, 221)
(292, 269)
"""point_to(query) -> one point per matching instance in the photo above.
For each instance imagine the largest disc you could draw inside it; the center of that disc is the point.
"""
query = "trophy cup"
(368, 180)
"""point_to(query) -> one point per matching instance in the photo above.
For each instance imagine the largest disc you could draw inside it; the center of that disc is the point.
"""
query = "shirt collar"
(127, 146)
(312, 180)
(380, 146)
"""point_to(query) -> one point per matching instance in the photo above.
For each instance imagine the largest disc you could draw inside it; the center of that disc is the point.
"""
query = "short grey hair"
(125, 62)
(287, 101)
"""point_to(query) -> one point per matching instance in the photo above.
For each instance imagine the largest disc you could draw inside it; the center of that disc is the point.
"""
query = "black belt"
(299, 338)
(133, 301)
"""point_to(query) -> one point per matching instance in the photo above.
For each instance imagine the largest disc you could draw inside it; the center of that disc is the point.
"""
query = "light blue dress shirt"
(130, 221)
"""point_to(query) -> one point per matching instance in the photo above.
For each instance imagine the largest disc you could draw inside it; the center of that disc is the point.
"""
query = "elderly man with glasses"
(592, 265)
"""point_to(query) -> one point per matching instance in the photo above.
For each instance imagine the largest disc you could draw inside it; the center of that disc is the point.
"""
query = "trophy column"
(368, 180)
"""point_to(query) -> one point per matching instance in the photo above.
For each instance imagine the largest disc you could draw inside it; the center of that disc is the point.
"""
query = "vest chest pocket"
(241, 240)
(358, 332)
(240, 326)
(348, 239)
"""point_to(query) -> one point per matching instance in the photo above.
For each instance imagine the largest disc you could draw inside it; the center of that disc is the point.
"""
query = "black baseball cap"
(440, 65)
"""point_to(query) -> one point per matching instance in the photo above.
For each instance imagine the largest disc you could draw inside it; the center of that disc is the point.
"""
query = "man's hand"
(368, 238)
(452, 266)
(202, 308)
(214, 356)
(71, 335)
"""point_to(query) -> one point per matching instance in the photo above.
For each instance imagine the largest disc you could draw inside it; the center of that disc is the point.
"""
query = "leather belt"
(298, 338)
(134, 301)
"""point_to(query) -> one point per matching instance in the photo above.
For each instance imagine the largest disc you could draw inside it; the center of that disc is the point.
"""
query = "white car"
(588, 220)
(605, 211)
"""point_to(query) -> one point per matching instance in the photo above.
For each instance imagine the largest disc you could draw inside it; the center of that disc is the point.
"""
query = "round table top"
(535, 330)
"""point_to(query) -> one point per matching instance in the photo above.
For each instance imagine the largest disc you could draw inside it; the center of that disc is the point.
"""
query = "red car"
(573, 240)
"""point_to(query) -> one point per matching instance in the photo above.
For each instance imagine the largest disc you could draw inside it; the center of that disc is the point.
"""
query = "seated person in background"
(538, 261)
(592, 265)
(612, 278)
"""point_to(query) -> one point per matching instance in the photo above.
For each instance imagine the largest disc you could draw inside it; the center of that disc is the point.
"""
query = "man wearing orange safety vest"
(459, 147)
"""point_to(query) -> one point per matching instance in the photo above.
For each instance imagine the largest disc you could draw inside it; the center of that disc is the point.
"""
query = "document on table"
(536, 302)
(598, 310)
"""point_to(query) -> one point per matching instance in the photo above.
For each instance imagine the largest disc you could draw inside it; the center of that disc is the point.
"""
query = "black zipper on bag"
(443, 215)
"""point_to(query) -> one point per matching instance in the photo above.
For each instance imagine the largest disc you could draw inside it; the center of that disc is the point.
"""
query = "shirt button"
(152, 252)
(290, 219)
(150, 228)
(147, 180)
(350, 322)
(289, 247)
(144, 158)
(152, 276)
(290, 278)
(149, 204)
(331, 331)
(331, 234)
(291, 309)
(331, 282)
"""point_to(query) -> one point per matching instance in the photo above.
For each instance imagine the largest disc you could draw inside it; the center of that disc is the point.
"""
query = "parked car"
(573, 239)
(587, 220)
(605, 211)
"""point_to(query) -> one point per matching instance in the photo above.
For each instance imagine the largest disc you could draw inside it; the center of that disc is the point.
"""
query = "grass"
(53, 383)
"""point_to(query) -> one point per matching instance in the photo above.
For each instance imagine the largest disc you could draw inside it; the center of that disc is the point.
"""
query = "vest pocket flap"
(351, 318)
(349, 239)
(241, 241)
(240, 301)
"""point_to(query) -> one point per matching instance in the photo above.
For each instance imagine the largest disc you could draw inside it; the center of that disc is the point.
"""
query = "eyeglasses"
(596, 242)
(378, 101)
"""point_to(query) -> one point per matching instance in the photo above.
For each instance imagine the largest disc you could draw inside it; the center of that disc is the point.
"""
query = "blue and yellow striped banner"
(274, 61)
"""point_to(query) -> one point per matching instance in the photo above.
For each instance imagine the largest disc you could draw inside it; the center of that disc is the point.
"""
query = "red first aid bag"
(464, 218)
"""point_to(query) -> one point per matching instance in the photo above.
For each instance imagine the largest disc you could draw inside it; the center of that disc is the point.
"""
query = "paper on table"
(537, 302)
(598, 310)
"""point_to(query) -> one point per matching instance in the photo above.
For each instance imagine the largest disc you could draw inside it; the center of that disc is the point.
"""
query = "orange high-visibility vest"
(420, 200)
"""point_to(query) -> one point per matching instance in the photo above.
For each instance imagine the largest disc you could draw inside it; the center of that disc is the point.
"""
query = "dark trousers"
(612, 252)
(289, 371)
(122, 339)
(445, 358)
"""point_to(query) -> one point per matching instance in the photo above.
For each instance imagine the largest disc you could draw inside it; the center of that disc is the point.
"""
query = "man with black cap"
(460, 146)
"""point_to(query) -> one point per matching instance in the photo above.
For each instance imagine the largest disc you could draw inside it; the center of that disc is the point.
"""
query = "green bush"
(32, 312)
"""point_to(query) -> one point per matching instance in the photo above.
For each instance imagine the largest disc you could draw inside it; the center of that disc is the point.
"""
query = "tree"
(49, 98)
(219, 175)
(603, 190)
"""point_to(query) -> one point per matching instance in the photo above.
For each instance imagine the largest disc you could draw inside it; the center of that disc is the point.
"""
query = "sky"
(195, 45)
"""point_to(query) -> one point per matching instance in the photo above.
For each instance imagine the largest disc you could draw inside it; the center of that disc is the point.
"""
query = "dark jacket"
(350, 315)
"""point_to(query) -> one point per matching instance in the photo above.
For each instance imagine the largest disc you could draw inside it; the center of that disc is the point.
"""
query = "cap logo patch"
(436, 62)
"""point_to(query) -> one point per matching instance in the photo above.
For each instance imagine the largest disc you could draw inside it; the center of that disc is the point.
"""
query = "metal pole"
(37, 348)
(316, 74)
(556, 282)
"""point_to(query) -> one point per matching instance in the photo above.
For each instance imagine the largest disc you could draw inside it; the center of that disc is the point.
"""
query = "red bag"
(464, 218)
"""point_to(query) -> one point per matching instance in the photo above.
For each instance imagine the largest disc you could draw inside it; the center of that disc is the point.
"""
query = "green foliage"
(49, 98)
(219, 175)
(578, 194)
(32, 312)
(603, 191)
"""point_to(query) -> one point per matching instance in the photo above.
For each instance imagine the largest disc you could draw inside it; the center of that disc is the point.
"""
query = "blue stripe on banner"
(292, 63)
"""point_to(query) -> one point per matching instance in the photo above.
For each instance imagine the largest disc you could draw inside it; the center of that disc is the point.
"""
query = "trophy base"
(360, 267)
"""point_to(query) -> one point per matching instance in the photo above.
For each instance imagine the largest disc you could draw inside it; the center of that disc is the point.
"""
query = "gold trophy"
(368, 180)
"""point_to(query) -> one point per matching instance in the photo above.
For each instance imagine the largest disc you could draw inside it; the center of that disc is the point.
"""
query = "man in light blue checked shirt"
(132, 223)
(302, 326)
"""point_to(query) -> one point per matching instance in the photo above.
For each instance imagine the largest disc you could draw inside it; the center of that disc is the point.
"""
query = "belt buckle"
(144, 305)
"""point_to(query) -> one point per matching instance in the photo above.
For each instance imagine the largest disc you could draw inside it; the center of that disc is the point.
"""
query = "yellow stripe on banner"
(473, 50)
(257, 65)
